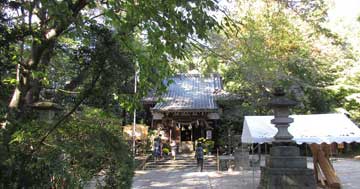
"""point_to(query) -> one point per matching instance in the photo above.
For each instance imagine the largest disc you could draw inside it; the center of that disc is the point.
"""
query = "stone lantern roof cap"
(280, 100)
(46, 105)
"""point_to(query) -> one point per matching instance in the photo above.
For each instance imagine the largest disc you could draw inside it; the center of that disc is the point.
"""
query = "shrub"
(208, 145)
(72, 155)
(166, 151)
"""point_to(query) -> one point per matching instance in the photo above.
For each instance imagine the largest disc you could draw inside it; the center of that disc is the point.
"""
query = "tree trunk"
(27, 87)
(124, 117)
(15, 99)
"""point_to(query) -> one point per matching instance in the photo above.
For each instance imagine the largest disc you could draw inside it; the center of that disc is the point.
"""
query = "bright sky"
(347, 9)
(343, 20)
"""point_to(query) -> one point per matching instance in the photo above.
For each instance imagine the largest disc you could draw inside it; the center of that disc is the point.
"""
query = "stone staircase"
(183, 161)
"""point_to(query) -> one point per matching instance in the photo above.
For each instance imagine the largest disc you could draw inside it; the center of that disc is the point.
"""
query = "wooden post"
(180, 144)
(217, 159)
(170, 135)
(321, 159)
(191, 131)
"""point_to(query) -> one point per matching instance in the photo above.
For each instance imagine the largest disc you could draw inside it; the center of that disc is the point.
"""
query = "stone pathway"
(348, 171)
(189, 178)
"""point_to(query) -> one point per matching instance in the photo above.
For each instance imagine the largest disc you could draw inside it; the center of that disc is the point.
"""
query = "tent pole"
(252, 154)
(259, 152)
(252, 148)
(265, 148)
(252, 164)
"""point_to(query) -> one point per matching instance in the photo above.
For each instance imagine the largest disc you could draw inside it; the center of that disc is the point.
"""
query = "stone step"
(183, 161)
(179, 161)
(179, 167)
(209, 165)
(194, 165)
(188, 163)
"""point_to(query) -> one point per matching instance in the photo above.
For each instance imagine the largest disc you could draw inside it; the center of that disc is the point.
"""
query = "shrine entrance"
(188, 136)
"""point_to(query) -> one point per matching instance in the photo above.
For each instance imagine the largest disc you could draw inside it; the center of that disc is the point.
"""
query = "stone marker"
(241, 159)
(285, 168)
(241, 154)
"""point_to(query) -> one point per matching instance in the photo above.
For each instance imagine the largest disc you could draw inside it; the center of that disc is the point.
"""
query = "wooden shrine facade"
(185, 127)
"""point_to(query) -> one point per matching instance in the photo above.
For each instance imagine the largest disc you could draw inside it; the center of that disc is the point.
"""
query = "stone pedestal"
(285, 169)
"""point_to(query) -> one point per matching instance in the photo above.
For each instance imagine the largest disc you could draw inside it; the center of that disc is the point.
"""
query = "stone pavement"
(348, 171)
(190, 178)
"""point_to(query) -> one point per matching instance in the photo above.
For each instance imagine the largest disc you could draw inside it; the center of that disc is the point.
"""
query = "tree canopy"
(80, 56)
(264, 44)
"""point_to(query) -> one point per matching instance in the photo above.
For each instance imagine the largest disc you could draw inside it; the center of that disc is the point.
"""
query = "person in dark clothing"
(199, 155)
(157, 148)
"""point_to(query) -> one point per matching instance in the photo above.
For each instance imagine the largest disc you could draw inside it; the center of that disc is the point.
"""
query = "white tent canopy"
(316, 128)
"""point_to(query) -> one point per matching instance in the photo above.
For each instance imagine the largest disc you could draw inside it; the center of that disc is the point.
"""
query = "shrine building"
(188, 110)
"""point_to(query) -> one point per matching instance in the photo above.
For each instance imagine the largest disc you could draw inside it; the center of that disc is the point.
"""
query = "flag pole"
(134, 120)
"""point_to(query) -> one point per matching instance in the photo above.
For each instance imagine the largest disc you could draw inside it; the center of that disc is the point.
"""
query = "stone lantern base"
(286, 169)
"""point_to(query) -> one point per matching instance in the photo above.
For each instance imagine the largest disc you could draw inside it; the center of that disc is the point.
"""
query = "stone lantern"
(285, 168)
(241, 154)
(282, 121)
(46, 110)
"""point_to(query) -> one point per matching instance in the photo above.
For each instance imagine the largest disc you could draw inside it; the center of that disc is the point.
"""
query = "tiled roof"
(190, 92)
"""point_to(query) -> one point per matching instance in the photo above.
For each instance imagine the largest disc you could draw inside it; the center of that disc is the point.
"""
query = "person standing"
(199, 155)
(157, 148)
(160, 147)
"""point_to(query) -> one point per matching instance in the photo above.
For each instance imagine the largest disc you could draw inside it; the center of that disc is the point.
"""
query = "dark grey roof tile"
(190, 92)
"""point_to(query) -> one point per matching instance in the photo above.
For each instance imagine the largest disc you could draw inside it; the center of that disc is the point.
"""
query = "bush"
(208, 145)
(166, 145)
(70, 157)
(166, 150)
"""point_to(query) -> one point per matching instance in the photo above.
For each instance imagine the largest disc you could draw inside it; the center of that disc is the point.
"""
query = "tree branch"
(201, 47)
(67, 115)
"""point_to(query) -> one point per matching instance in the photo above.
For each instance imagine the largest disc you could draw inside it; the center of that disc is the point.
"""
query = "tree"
(38, 26)
(270, 43)
(82, 54)
(274, 46)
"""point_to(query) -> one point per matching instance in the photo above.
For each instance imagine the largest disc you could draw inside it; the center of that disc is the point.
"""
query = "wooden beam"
(321, 159)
